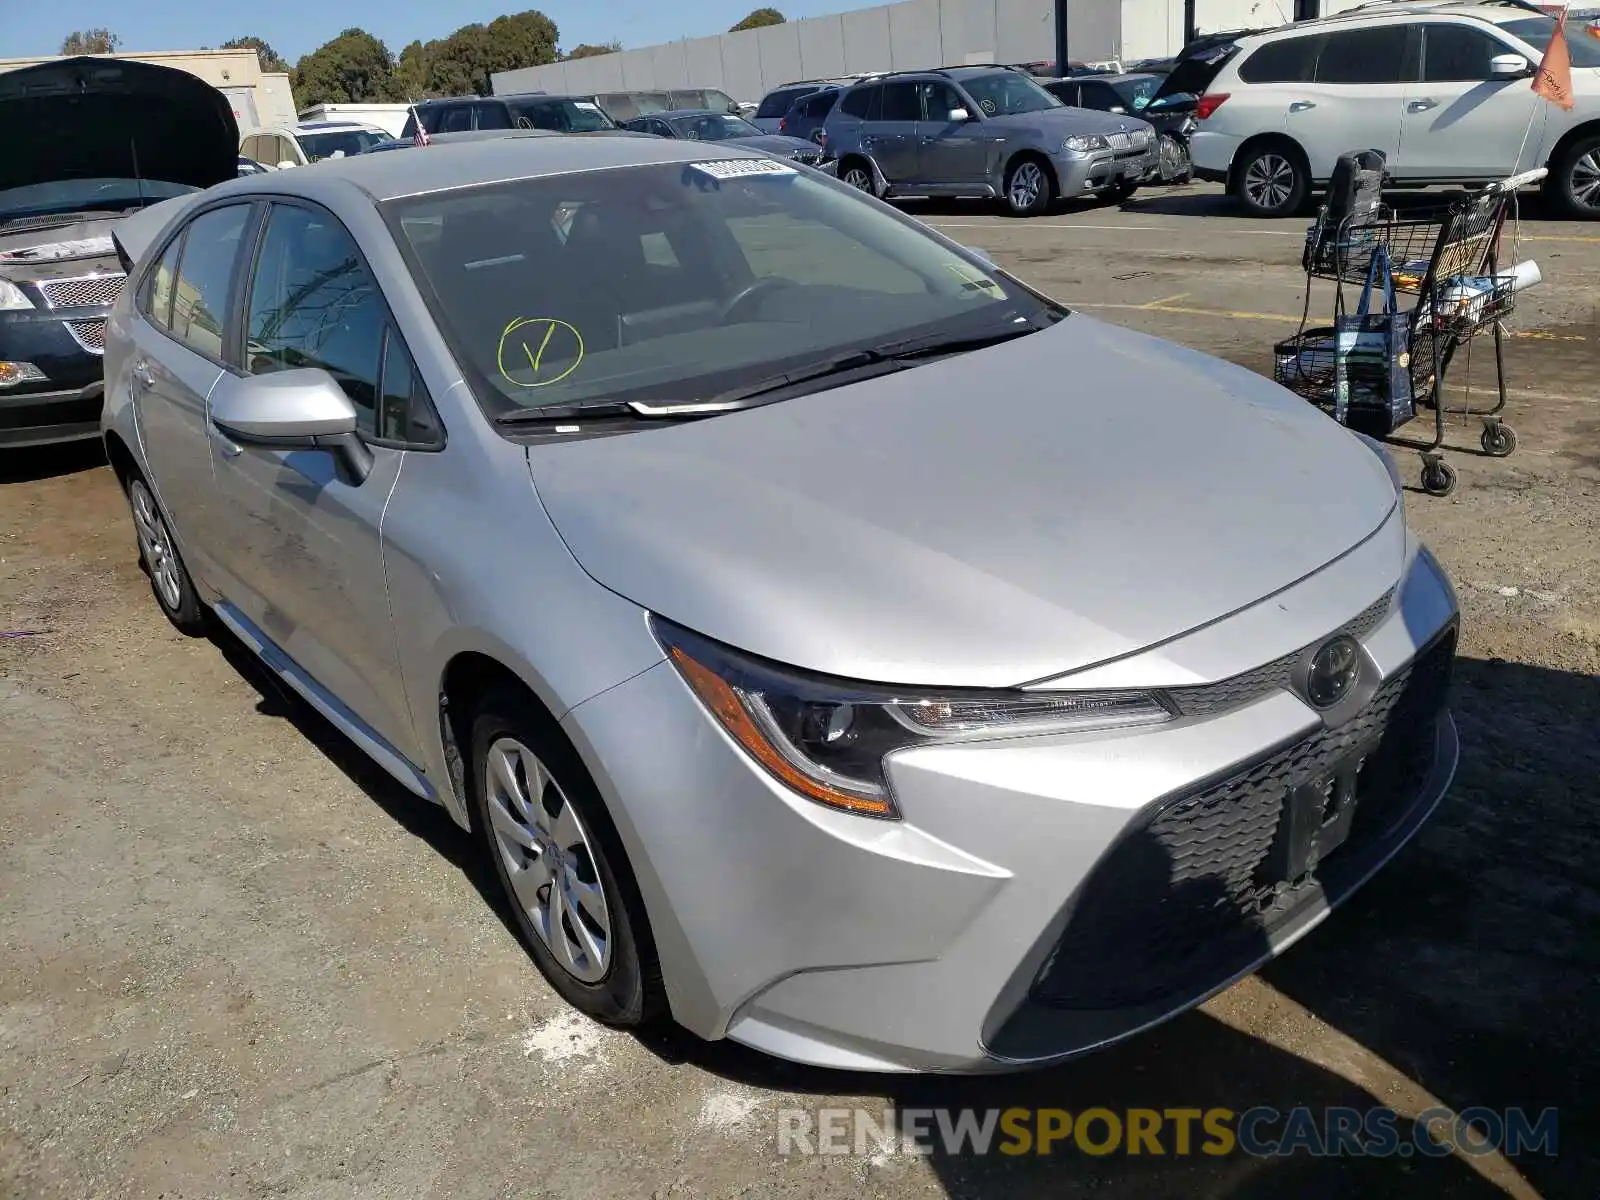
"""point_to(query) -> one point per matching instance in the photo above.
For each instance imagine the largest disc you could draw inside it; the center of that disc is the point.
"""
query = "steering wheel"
(752, 291)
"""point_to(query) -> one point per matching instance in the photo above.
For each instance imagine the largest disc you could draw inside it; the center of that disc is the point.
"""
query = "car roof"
(1397, 10)
(471, 162)
(687, 112)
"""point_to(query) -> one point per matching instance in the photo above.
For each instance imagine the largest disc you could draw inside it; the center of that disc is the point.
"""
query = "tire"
(174, 590)
(1438, 479)
(1030, 188)
(857, 173)
(534, 804)
(1174, 156)
(1122, 193)
(1271, 180)
(1498, 440)
(1573, 185)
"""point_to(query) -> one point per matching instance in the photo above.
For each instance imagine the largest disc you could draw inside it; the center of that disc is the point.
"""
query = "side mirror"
(286, 164)
(981, 255)
(1117, 108)
(958, 115)
(1509, 66)
(291, 410)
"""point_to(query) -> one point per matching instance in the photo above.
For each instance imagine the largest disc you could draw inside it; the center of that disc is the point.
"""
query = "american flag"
(419, 138)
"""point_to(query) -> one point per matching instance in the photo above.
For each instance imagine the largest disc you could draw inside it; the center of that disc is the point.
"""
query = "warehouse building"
(911, 35)
(258, 97)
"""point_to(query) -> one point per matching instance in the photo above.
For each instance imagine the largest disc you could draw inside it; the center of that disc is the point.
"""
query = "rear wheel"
(158, 554)
(858, 174)
(1270, 180)
(1573, 184)
(1122, 192)
(1029, 188)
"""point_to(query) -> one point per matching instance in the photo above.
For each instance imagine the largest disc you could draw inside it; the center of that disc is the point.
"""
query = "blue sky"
(294, 27)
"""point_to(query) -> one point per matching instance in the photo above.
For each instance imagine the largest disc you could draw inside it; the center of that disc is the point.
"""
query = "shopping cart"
(1449, 258)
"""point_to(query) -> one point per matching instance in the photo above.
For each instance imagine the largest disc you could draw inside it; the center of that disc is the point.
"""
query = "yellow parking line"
(1286, 318)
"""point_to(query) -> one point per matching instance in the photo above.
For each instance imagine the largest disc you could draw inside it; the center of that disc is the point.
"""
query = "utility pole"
(1061, 38)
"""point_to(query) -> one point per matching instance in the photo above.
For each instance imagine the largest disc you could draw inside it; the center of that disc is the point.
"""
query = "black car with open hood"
(89, 141)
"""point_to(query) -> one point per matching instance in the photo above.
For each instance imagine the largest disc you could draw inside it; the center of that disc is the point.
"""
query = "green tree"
(269, 58)
(461, 64)
(352, 68)
(589, 50)
(411, 72)
(760, 17)
(90, 41)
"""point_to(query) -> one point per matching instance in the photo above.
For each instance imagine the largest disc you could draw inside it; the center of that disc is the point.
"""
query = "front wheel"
(1271, 181)
(1029, 188)
(560, 864)
(858, 175)
(1122, 192)
(1573, 184)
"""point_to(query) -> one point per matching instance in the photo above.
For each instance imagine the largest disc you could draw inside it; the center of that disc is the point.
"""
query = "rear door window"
(1290, 60)
(1100, 96)
(862, 102)
(1373, 55)
(205, 279)
(492, 115)
(901, 102)
(457, 119)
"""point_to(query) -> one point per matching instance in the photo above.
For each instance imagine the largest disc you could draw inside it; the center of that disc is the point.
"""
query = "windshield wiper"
(887, 357)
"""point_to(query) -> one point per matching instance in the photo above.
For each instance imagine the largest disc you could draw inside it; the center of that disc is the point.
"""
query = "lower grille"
(1193, 896)
(90, 334)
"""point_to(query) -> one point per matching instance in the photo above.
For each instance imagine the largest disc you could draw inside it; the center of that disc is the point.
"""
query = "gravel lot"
(235, 960)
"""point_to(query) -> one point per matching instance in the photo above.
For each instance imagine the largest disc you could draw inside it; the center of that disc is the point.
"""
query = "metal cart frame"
(1431, 252)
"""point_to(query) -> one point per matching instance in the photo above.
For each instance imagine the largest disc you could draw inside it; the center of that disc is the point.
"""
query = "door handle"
(1422, 105)
(1301, 105)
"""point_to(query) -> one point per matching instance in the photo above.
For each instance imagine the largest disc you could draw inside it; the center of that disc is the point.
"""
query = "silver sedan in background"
(833, 643)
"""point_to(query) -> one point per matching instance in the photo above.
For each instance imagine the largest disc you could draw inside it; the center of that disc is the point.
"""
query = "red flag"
(1553, 79)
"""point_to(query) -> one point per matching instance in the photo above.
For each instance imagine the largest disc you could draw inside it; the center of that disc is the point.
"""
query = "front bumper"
(1086, 174)
(1039, 898)
(65, 405)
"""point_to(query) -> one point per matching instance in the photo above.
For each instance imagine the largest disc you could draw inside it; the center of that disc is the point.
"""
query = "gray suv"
(983, 131)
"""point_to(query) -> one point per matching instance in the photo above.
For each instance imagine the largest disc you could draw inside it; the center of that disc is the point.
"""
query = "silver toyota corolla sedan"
(835, 644)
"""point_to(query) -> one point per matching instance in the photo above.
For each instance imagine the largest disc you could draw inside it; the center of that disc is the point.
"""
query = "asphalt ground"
(235, 960)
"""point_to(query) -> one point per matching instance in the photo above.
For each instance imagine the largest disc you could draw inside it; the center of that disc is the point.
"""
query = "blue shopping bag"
(1372, 358)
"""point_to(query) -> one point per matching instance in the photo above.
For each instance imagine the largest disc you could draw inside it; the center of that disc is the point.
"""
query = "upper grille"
(83, 291)
(1206, 698)
(90, 334)
(1188, 898)
(1120, 141)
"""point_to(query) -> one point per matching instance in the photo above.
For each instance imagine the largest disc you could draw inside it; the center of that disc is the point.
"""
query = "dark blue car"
(703, 125)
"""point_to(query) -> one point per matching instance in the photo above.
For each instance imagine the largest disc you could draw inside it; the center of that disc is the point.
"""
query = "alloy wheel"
(1269, 180)
(1027, 181)
(859, 178)
(1584, 179)
(155, 544)
(549, 857)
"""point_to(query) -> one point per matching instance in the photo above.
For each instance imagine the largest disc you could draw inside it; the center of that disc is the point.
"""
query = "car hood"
(62, 249)
(82, 118)
(993, 518)
(1064, 121)
(776, 143)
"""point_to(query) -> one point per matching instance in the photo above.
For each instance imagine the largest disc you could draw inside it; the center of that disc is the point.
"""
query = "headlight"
(1083, 143)
(828, 739)
(11, 296)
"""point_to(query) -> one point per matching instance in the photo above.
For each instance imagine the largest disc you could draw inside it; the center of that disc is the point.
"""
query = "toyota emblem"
(1334, 670)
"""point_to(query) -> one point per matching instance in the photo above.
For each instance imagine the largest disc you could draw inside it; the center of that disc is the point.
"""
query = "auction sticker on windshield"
(737, 168)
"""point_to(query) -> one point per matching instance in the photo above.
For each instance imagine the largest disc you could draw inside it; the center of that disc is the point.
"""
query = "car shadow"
(1470, 966)
(31, 464)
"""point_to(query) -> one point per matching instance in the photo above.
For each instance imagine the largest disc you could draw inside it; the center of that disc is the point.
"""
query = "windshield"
(714, 127)
(675, 282)
(1006, 93)
(85, 195)
(338, 143)
(1537, 32)
(562, 116)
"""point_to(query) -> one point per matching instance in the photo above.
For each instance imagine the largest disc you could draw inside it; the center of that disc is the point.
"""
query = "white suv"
(1444, 90)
